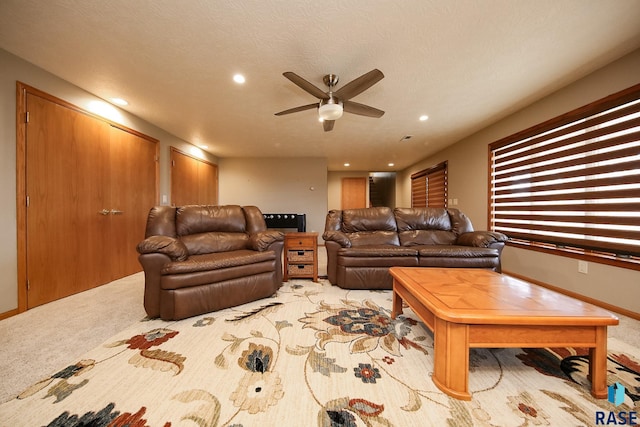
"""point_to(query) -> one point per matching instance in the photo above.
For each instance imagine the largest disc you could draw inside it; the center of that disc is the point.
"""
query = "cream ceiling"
(465, 63)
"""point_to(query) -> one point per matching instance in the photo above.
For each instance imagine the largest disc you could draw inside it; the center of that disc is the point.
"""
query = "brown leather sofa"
(362, 244)
(198, 259)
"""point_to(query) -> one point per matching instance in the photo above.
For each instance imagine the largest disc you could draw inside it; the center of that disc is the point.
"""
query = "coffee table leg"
(598, 364)
(397, 304)
(451, 358)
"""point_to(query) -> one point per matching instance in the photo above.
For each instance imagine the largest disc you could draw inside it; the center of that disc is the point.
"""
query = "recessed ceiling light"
(239, 78)
(392, 164)
(424, 118)
(119, 101)
(347, 164)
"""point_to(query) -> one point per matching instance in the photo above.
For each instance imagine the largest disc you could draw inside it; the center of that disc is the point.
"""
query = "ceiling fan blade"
(361, 109)
(305, 85)
(359, 85)
(328, 125)
(296, 109)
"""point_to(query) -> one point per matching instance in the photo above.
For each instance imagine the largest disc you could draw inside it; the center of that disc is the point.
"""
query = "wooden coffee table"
(467, 308)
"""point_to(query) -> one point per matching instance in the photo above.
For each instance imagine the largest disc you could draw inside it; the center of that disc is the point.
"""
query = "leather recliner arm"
(337, 236)
(170, 246)
(262, 240)
(481, 239)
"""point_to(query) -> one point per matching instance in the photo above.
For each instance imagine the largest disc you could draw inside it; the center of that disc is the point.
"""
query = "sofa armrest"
(262, 240)
(337, 236)
(170, 246)
(481, 239)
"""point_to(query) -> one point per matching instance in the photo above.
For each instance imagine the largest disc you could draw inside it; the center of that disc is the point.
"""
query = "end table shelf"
(301, 256)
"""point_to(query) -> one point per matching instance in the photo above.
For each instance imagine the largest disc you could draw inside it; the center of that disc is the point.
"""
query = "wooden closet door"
(67, 157)
(184, 179)
(193, 181)
(132, 194)
(208, 183)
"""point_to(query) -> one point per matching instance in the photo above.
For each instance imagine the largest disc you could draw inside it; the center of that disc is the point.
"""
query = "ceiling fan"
(333, 103)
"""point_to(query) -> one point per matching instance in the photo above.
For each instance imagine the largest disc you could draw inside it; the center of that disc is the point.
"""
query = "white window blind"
(573, 183)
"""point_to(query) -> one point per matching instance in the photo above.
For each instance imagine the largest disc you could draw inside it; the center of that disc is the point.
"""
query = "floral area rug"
(314, 355)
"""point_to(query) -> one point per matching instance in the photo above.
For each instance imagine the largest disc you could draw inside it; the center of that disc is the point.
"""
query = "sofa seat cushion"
(451, 251)
(216, 261)
(215, 241)
(244, 273)
(378, 256)
(377, 238)
(378, 251)
(426, 237)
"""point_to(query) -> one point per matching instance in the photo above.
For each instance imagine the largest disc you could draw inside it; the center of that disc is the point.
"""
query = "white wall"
(277, 185)
(468, 164)
(14, 69)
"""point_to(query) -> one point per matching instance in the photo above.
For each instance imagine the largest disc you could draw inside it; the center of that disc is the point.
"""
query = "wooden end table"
(467, 308)
(301, 256)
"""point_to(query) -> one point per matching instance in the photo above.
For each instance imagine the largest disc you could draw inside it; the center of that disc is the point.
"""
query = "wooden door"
(193, 181)
(132, 194)
(208, 179)
(184, 174)
(67, 221)
(354, 193)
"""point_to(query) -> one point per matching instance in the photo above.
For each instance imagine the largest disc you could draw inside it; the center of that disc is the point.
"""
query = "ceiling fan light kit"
(330, 111)
(332, 104)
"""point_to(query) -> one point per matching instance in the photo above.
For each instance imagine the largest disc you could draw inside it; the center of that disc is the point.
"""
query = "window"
(571, 185)
(429, 187)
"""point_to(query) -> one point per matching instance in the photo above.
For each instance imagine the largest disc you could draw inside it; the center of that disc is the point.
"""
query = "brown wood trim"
(184, 153)
(606, 306)
(490, 194)
(8, 314)
(434, 168)
(600, 105)
(21, 194)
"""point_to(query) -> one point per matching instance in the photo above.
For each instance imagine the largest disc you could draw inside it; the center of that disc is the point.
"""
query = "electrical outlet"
(583, 267)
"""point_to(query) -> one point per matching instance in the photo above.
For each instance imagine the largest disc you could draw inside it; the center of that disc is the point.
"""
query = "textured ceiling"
(465, 63)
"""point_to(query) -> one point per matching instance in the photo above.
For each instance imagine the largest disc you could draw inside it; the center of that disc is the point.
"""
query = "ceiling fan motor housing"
(330, 80)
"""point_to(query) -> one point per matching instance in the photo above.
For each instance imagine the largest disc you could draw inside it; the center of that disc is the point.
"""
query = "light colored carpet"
(36, 343)
(314, 355)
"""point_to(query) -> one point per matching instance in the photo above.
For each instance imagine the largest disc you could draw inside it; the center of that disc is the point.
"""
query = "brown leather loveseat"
(362, 244)
(198, 259)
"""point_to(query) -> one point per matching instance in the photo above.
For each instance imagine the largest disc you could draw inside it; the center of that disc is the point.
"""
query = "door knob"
(116, 212)
(104, 212)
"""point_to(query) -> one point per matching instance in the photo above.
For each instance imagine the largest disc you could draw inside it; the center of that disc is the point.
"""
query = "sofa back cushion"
(207, 243)
(208, 229)
(422, 219)
(424, 226)
(161, 221)
(196, 219)
(368, 219)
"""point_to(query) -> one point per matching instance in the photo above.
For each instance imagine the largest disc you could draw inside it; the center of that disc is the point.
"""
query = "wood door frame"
(21, 170)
